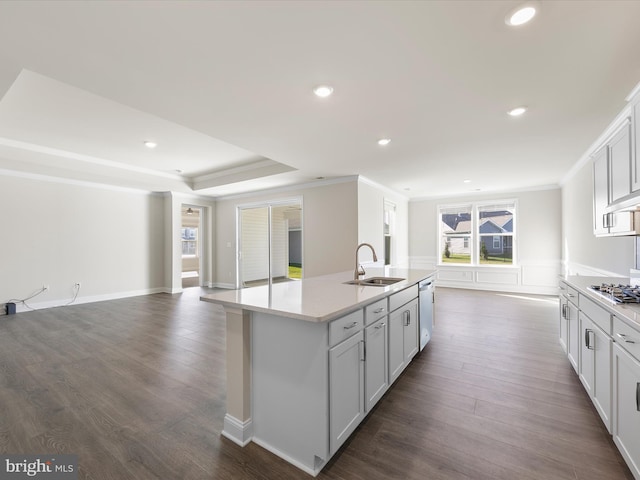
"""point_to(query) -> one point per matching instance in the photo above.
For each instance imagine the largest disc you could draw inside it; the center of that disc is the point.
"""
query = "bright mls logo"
(45, 467)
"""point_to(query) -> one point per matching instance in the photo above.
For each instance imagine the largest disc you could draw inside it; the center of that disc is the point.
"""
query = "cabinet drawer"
(344, 327)
(375, 311)
(398, 299)
(572, 295)
(627, 337)
(596, 313)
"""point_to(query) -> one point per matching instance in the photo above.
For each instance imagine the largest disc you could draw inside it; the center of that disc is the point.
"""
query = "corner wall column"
(237, 421)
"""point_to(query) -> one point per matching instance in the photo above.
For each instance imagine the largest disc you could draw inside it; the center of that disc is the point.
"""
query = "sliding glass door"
(270, 243)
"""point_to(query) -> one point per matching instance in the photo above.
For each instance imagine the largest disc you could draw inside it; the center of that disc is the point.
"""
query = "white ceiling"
(225, 89)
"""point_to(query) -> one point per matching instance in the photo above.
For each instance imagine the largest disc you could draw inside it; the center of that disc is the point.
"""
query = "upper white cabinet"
(616, 174)
(613, 169)
(635, 149)
(620, 162)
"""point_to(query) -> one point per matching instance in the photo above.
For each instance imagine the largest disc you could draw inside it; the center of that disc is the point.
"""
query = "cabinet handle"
(407, 317)
(638, 396)
(624, 337)
(378, 310)
(382, 325)
(364, 351)
(348, 327)
(564, 311)
(587, 339)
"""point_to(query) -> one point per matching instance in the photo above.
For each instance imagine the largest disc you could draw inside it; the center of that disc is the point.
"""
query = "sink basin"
(375, 281)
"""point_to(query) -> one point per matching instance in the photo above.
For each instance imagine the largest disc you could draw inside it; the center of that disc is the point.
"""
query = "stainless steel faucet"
(359, 270)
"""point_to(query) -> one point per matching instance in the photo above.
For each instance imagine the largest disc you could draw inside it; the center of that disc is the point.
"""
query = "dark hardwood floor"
(136, 388)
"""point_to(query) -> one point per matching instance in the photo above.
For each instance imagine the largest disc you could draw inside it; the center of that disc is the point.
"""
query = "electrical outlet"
(77, 285)
(45, 287)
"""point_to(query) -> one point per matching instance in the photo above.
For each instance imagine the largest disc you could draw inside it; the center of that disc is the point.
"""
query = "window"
(490, 227)
(455, 228)
(189, 242)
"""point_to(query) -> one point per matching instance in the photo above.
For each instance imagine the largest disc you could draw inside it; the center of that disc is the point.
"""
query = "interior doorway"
(389, 225)
(191, 237)
(270, 243)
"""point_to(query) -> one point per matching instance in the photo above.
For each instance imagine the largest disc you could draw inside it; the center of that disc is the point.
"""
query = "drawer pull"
(638, 396)
(624, 337)
(378, 310)
(350, 326)
(382, 325)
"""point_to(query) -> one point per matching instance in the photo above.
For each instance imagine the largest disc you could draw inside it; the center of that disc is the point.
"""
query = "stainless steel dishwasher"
(425, 315)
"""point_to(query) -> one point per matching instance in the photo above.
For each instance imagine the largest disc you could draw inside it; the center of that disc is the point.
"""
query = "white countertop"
(316, 299)
(629, 312)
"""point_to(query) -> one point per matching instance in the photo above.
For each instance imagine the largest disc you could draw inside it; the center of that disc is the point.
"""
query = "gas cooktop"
(618, 293)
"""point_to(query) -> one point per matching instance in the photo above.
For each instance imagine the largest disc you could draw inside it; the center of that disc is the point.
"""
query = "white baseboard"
(239, 432)
(88, 299)
(313, 471)
(229, 286)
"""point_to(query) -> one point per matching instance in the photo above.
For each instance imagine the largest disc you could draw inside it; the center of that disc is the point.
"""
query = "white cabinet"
(569, 327)
(411, 334)
(314, 382)
(346, 389)
(600, 192)
(626, 398)
(376, 371)
(613, 180)
(620, 163)
(635, 154)
(403, 338)
(595, 366)
(564, 326)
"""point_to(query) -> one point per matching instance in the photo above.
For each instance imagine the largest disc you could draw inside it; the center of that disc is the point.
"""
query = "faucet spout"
(359, 270)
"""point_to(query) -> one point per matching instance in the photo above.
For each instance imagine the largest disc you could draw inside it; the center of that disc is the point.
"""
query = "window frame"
(194, 241)
(475, 237)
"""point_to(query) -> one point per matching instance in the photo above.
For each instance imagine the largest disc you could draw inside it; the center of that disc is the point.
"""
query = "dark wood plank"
(136, 388)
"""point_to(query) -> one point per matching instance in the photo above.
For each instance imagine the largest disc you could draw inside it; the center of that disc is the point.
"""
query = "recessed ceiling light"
(150, 144)
(384, 141)
(466, 181)
(323, 91)
(521, 15)
(516, 112)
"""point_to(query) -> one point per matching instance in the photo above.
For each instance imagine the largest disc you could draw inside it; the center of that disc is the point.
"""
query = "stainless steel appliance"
(617, 293)
(425, 315)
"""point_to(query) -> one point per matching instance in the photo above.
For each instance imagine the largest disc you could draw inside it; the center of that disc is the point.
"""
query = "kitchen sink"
(376, 281)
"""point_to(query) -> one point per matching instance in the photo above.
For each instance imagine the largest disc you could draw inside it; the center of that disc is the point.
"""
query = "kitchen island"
(308, 359)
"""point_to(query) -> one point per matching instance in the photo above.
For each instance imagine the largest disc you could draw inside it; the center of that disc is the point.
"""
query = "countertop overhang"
(316, 299)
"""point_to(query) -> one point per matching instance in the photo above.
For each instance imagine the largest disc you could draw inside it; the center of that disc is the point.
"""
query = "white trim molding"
(239, 432)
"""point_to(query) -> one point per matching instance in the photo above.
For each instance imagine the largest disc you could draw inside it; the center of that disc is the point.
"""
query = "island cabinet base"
(290, 382)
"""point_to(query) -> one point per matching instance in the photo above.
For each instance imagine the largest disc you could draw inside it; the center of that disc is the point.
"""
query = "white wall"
(111, 241)
(538, 240)
(582, 252)
(330, 228)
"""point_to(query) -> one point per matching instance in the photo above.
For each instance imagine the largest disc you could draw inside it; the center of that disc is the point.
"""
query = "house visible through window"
(490, 227)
